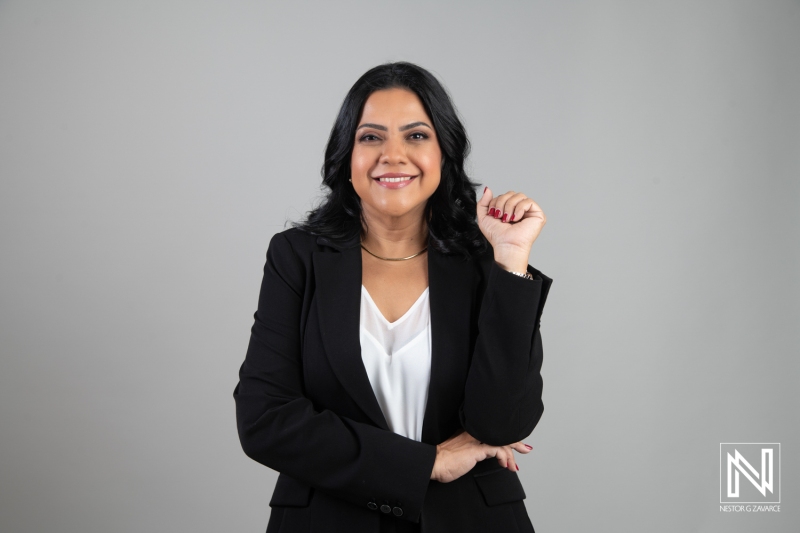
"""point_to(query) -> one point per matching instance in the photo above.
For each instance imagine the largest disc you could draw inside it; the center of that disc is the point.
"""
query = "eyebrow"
(402, 128)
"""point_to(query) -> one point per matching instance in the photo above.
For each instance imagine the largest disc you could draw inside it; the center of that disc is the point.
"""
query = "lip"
(394, 184)
(393, 175)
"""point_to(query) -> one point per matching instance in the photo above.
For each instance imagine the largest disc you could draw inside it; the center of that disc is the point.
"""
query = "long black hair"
(450, 211)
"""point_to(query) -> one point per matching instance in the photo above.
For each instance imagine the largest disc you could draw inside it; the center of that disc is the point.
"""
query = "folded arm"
(503, 394)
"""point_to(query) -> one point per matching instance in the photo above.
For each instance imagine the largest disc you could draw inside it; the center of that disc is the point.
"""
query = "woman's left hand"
(505, 455)
(510, 220)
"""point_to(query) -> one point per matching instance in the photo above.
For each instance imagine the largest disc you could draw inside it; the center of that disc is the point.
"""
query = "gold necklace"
(393, 258)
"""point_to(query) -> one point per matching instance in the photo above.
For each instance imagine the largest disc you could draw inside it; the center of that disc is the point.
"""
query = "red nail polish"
(497, 213)
(517, 466)
(491, 211)
(529, 447)
(512, 218)
(505, 217)
(484, 189)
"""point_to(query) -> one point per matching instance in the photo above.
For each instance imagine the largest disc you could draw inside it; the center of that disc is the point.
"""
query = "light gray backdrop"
(150, 149)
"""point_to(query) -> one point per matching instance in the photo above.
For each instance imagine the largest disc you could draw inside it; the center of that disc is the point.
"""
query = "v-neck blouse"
(397, 356)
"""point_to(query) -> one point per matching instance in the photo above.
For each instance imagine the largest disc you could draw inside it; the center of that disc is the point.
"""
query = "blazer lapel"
(338, 278)
(452, 283)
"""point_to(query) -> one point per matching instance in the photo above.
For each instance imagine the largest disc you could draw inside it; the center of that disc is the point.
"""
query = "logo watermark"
(749, 477)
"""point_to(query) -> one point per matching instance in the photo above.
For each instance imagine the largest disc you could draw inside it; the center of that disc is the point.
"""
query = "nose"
(394, 152)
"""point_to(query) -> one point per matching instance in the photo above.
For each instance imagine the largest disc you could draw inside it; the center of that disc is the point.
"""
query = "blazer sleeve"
(503, 392)
(280, 428)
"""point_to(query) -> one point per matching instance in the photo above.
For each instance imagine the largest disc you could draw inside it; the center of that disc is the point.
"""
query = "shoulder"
(289, 257)
(297, 240)
(289, 253)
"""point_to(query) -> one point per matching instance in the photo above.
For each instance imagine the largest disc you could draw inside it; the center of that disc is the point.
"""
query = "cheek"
(431, 163)
(360, 161)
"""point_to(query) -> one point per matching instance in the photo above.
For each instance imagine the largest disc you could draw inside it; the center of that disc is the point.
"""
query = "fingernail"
(512, 218)
(484, 189)
(497, 213)
(529, 447)
(517, 466)
(491, 211)
(505, 217)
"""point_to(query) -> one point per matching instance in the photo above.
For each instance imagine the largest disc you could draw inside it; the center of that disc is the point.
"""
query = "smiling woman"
(394, 362)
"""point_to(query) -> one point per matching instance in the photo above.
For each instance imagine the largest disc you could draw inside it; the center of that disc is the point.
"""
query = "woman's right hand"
(460, 453)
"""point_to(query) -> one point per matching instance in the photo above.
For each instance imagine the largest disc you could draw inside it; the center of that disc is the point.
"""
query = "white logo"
(735, 468)
(738, 461)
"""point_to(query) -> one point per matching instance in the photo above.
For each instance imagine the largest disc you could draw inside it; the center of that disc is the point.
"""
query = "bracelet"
(526, 275)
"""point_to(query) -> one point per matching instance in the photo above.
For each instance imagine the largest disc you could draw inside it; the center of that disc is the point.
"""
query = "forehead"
(393, 105)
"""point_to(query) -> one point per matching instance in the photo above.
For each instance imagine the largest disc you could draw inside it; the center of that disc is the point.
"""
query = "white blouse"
(397, 356)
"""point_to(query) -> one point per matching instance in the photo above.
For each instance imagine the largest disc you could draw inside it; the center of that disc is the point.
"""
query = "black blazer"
(305, 406)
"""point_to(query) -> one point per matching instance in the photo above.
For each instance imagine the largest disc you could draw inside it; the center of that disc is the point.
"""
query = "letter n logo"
(749, 472)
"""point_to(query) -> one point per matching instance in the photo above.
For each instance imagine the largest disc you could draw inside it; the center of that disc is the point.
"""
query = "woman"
(394, 362)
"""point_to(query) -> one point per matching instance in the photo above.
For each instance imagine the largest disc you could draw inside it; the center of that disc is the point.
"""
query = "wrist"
(434, 473)
(512, 258)
(512, 264)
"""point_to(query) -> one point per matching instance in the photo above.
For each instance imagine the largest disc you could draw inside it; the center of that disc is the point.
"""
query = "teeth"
(395, 179)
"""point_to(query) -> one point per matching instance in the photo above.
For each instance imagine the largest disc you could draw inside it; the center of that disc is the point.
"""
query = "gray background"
(150, 149)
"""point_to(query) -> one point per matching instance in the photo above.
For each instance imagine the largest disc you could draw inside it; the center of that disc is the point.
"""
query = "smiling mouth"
(395, 180)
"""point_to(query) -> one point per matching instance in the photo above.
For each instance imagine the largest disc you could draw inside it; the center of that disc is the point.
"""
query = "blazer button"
(397, 511)
(385, 508)
(372, 505)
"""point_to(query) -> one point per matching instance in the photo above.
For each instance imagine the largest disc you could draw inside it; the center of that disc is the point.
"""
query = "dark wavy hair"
(450, 211)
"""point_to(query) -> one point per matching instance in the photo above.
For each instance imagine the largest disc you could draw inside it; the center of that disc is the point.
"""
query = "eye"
(368, 137)
(418, 136)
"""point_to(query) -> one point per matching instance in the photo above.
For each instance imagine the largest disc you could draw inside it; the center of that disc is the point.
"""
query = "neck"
(394, 236)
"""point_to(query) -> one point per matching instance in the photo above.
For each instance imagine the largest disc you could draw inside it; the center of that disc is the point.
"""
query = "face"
(396, 162)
